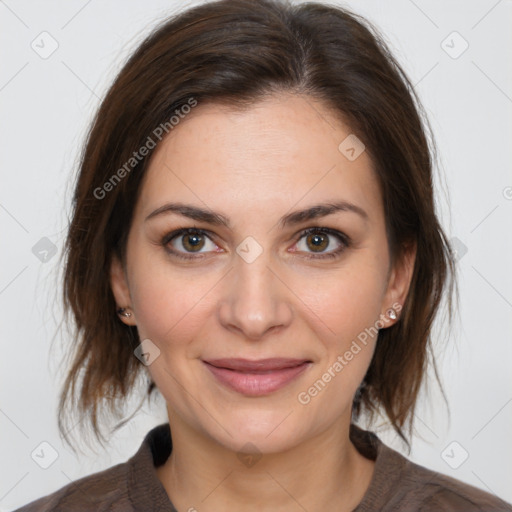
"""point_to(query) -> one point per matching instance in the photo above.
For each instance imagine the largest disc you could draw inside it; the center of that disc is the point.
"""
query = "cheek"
(347, 309)
(346, 302)
(169, 304)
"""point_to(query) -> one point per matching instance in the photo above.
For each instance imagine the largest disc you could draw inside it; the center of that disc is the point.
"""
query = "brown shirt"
(397, 484)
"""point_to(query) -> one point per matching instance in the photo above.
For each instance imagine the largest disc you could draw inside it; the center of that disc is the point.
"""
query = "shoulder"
(126, 487)
(433, 491)
(102, 491)
(400, 485)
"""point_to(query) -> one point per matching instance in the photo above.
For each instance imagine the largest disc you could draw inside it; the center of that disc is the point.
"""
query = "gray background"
(46, 104)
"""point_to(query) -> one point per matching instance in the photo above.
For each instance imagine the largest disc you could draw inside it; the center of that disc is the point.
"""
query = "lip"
(256, 377)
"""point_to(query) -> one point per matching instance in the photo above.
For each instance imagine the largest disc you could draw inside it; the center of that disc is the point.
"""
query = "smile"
(256, 377)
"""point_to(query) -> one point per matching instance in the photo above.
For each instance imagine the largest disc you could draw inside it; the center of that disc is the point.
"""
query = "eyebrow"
(297, 217)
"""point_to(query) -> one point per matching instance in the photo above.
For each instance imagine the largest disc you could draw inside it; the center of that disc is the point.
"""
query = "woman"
(254, 231)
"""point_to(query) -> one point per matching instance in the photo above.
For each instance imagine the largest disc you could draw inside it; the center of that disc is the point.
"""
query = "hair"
(236, 52)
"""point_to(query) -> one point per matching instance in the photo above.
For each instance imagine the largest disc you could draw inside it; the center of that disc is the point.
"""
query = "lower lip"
(257, 384)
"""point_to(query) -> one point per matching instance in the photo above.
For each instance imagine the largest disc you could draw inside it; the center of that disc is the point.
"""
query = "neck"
(202, 474)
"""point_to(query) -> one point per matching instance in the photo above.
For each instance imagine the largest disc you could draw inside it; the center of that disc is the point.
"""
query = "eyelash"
(344, 239)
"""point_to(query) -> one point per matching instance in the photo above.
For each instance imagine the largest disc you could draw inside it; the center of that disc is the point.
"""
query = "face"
(264, 310)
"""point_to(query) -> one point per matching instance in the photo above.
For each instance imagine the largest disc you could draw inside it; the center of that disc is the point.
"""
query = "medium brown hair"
(236, 52)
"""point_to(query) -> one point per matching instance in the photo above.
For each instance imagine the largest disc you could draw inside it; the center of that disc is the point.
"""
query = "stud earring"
(391, 314)
(124, 312)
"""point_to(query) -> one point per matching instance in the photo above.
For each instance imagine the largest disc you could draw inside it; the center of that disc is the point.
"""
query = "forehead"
(282, 151)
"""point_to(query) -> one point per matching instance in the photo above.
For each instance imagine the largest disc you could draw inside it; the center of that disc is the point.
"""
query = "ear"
(399, 282)
(121, 291)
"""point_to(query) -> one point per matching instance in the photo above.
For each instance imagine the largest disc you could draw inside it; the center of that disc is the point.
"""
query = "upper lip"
(247, 365)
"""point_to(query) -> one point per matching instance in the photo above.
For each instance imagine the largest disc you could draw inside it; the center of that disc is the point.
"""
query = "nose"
(255, 300)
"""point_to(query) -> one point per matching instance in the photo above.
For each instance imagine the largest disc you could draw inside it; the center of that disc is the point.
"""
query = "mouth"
(256, 377)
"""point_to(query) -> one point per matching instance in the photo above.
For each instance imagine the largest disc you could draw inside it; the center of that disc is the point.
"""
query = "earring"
(391, 314)
(123, 312)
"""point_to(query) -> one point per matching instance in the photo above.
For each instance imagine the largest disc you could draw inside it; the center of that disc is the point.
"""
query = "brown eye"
(317, 242)
(187, 242)
(193, 242)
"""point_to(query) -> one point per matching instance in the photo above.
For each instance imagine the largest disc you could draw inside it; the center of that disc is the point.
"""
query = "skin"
(253, 167)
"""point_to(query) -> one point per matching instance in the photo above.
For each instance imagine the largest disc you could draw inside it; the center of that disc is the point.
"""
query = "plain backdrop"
(459, 56)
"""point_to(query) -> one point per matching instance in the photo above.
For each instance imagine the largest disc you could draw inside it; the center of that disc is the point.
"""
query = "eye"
(186, 242)
(194, 243)
(316, 241)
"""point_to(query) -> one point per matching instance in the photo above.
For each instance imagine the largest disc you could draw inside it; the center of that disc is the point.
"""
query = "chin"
(259, 431)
